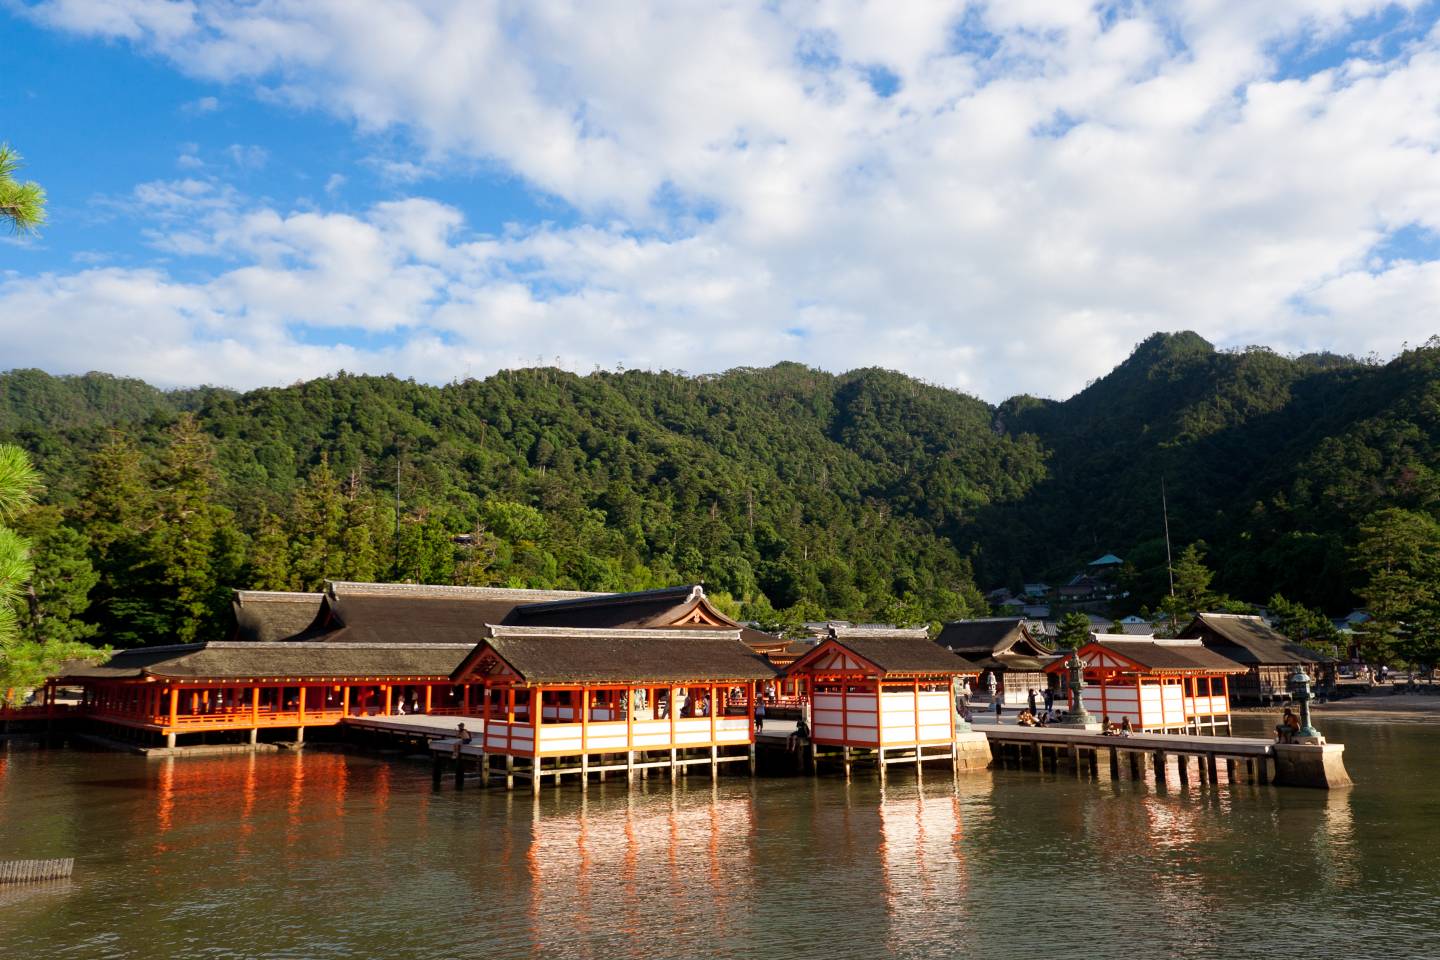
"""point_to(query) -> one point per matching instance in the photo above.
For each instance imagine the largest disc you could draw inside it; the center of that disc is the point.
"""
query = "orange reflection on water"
(921, 858)
(651, 867)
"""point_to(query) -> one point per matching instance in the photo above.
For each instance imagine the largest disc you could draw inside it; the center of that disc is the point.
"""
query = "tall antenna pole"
(396, 548)
(1165, 510)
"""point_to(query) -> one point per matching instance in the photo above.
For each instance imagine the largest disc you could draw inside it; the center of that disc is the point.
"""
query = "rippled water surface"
(327, 855)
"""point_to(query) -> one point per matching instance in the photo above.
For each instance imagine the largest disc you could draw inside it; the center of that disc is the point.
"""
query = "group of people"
(1111, 729)
(1029, 719)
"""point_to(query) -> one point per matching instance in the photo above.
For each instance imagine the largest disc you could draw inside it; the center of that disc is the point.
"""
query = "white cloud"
(200, 106)
(1044, 185)
(247, 156)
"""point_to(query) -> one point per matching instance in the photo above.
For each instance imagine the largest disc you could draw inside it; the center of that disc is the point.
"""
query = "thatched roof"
(255, 660)
(269, 615)
(1249, 640)
(646, 608)
(577, 655)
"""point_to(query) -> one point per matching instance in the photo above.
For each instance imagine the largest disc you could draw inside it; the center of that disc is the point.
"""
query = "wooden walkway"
(1027, 746)
(431, 726)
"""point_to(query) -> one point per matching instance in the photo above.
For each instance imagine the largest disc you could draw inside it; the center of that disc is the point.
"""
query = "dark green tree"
(1073, 630)
(270, 555)
(22, 205)
(194, 544)
(317, 518)
(59, 591)
(1398, 553)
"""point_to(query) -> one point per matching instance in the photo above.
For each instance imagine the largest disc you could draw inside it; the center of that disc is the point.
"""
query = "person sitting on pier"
(1125, 728)
(800, 737)
(1288, 727)
(1025, 719)
(462, 739)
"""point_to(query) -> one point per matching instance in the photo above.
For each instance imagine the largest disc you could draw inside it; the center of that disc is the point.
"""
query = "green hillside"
(799, 493)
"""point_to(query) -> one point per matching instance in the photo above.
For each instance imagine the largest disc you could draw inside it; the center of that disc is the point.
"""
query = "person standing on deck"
(1049, 701)
(1032, 701)
(999, 708)
(759, 715)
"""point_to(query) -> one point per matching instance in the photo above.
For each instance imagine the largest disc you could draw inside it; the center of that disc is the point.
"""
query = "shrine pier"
(1163, 755)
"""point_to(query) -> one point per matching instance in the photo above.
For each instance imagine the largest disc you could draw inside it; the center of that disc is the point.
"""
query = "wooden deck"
(429, 725)
(1027, 746)
(1188, 744)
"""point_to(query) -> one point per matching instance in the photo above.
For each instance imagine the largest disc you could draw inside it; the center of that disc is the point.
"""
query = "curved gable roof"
(665, 607)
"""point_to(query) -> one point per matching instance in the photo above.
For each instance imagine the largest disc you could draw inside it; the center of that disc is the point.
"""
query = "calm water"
(324, 855)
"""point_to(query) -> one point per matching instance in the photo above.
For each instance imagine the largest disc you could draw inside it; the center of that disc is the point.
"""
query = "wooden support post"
(714, 761)
(880, 761)
(509, 772)
(484, 769)
(1264, 763)
(1160, 766)
(1211, 766)
(535, 767)
(460, 770)
(845, 759)
(630, 766)
(814, 757)
(344, 700)
(254, 736)
(673, 767)
(752, 754)
(174, 707)
(437, 764)
(1230, 769)
(429, 692)
(1182, 767)
(1094, 758)
(1114, 764)
(1075, 757)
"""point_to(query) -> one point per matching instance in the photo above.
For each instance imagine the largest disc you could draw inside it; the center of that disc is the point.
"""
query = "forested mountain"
(799, 493)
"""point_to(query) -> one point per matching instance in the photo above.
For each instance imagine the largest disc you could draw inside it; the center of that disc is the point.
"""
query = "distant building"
(1270, 657)
(1037, 591)
(1002, 647)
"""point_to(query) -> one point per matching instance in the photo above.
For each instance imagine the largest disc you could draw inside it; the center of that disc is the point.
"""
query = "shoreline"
(1392, 707)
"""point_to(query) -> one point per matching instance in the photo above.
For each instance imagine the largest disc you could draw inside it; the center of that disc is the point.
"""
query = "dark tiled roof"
(646, 608)
(560, 655)
(369, 613)
(1249, 640)
(1168, 655)
(252, 659)
(977, 639)
(897, 651)
(269, 615)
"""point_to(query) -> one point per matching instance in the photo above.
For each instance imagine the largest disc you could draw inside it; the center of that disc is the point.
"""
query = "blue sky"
(998, 198)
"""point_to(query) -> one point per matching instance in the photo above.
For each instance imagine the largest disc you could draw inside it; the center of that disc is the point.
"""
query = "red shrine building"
(298, 660)
(889, 691)
(1160, 685)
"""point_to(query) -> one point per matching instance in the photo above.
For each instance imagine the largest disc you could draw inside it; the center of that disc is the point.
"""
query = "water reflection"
(922, 860)
(644, 868)
(319, 854)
